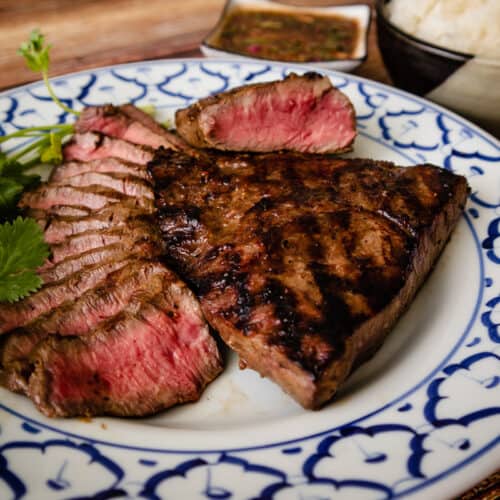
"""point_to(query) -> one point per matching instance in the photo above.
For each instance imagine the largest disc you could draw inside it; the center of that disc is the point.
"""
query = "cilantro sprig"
(22, 251)
(22, 247)
(37, 56)
(43, 143)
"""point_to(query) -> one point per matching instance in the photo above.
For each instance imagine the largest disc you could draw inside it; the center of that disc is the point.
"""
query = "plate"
(421, 419)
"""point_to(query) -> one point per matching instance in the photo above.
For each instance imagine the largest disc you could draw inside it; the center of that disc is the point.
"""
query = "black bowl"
(413, 64)
(462, 82)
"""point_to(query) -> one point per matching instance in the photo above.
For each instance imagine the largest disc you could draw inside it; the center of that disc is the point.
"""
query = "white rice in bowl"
(470, 26)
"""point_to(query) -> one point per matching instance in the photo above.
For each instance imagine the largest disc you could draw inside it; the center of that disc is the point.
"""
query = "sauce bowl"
(360, 13)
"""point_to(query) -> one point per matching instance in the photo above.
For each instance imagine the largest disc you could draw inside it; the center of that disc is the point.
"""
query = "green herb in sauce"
(288, 37)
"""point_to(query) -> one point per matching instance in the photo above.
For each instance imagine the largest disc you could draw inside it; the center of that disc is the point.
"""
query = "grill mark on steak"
(303, 274)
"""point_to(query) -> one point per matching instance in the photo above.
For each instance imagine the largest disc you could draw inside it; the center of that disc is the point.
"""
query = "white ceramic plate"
(420, 419)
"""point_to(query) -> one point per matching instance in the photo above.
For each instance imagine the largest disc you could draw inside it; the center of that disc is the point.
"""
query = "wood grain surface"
(91, 33)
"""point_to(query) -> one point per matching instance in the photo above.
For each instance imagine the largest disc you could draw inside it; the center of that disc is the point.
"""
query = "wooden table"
(90, 33)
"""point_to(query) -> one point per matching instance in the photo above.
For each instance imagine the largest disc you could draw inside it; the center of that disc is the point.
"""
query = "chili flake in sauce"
(281, 36)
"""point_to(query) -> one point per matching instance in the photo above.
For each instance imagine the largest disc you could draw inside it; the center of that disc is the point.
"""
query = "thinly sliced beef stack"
(112, 331)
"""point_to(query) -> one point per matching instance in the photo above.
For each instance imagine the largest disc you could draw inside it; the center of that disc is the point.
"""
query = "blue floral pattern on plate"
(435, 438)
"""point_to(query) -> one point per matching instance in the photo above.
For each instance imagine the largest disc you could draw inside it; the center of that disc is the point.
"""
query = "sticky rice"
(469, 26)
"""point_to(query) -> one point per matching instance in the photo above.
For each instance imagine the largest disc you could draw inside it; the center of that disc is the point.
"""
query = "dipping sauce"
(282, 36)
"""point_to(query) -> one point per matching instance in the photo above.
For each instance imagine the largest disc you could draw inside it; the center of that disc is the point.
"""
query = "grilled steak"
(57, 228)
(47, 196)
(303, 264)
(104, 165)
(93, 146)
(126, 122)
(146, 248)
(301, 113)
(51, 296)
(125, 184)
(123, 289)
(137, 364)
(112, 330)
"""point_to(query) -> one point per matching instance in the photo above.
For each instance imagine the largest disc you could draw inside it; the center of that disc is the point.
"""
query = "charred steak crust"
(303, 264)
(300, 113)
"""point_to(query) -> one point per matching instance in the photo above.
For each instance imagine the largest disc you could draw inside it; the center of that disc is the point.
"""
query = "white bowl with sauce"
(357, 15)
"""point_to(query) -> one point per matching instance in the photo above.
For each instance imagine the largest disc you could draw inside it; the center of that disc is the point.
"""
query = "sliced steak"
(56, 210)
(104, 165)
(303, 265)
(49, 195)
(125, 184)
(126, 122)
(135, 232)
(142, 248)
(122, 290)
(93, 146)
(49, 297)
(300, 113)
(133, 365)
(57, 229)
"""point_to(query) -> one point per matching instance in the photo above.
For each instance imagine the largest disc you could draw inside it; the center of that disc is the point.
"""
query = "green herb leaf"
(10, 191)
(18, 286)
(22, 251)
(37, 57)
(53, 152)
(35, 52)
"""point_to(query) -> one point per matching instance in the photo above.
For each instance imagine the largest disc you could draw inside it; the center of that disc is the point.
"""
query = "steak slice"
(303, 264)
(143, 248)
(49, 297)
(56, 229)
(300, 113)
(93, 146)
(41, 215)
(49, 195)
(133, 365)
(135, 232)
(104, 165)
(128, 123)
(124, 184)
(122, 290)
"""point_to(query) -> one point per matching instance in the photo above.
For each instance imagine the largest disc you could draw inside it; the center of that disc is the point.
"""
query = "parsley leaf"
(22, 251)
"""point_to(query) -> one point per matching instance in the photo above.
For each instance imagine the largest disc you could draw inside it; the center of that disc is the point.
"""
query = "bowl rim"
(292, 8)
(424, 44)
